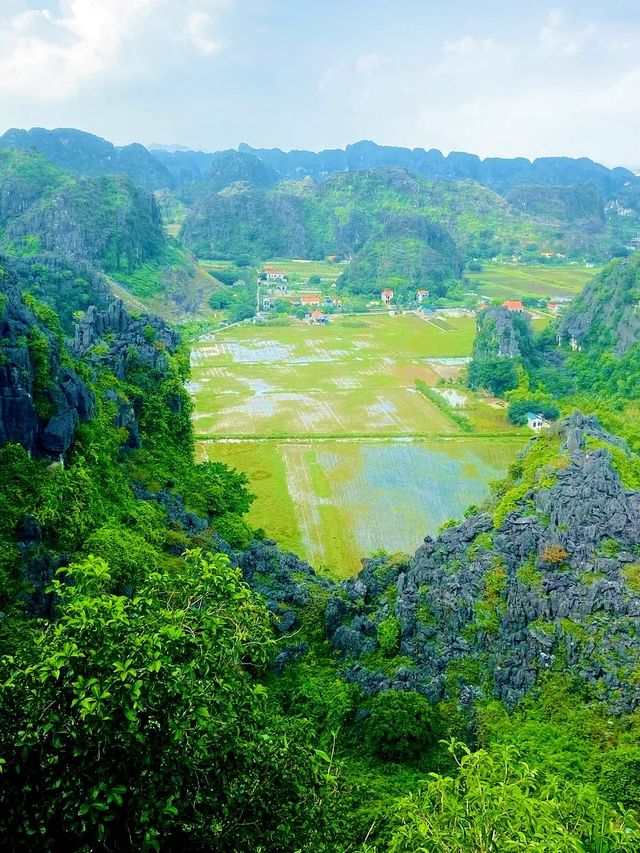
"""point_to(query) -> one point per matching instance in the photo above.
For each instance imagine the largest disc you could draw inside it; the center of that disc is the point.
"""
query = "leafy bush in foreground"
(131, 723)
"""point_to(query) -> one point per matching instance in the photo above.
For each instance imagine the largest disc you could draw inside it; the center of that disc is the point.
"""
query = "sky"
(497, 78)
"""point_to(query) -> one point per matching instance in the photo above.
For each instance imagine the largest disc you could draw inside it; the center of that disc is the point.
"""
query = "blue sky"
(497, 78)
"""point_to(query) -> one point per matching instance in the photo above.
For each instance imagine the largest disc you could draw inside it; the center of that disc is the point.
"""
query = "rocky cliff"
(497, 173)
(546, 578)
(502, 333)
(42, 397)
(105, 221)
(606, 315)
(146, 339)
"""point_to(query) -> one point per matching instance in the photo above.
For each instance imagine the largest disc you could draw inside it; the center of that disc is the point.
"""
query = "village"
(316, 306)
(276, 294)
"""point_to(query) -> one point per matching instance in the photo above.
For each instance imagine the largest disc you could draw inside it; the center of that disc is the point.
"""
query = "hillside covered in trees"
(260, 204)
(170, 679)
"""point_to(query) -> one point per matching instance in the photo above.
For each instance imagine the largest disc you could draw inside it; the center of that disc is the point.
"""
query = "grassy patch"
(504, 281)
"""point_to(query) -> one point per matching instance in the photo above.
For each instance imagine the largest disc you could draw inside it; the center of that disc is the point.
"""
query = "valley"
(336, 440)
(320, 500)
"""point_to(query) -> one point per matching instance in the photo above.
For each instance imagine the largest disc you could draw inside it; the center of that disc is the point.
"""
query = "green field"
(504, 281)
(303, 270)
(334, 501)
(344, 455)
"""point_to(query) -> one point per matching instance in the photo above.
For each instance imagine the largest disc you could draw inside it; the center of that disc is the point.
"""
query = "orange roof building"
(310, 300)
(513, 305)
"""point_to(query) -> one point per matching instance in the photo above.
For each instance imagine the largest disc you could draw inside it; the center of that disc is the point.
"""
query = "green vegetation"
(402, 229)
(527, 281)
(409, 253)
(497, 802)
(166, 681)
(167, 684)
(140, 650)
(441, 403)
(519, 409)
(152, 277)
(107, 222)
(318, 417)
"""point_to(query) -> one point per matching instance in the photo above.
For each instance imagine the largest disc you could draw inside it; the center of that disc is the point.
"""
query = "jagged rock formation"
(546, 580)
(606, 315)
(42, 399)
(147, 338)
(229, 167)
(66, 288)
(502, 333)
(233, 221)
(106, 221)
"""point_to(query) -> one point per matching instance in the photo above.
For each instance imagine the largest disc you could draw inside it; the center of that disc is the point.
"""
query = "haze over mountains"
(81, 151)
(400, 217)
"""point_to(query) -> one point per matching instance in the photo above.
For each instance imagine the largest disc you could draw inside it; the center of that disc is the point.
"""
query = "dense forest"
(170, 679)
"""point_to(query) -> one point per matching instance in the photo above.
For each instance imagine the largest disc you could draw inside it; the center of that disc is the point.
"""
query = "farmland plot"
(343, 455)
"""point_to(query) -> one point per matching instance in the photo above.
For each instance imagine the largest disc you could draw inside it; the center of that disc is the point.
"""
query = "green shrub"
(400, 725)
(497, 803)
(389, 636)
(443, 405)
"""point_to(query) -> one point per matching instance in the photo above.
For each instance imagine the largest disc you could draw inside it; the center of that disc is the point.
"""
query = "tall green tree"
(136, 723)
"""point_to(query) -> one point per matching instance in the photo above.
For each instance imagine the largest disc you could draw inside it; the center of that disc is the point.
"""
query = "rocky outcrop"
(493, 602)
(286, 581)
(85, 154)
(502, 333)
(145, 340)
(606, 314)
(496, 172)
(41, 399)
(65, 288)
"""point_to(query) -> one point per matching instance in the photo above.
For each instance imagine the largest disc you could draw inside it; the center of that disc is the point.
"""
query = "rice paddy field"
(504, 281)
(343, 454)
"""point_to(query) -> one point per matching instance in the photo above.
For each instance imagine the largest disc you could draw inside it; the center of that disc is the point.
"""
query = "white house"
(273, 274)
(386, 296)
(536, 422)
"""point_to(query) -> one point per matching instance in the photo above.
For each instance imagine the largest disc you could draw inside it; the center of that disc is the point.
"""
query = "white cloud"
(561, 39)
(51, 53)
(198, 28)
(559, 88)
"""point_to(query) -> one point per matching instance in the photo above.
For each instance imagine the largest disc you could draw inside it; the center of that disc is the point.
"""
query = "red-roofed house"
(309, 300)
(513, 305)
(319, 317)
(553, 307)
(422, 295)
(386, 296)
